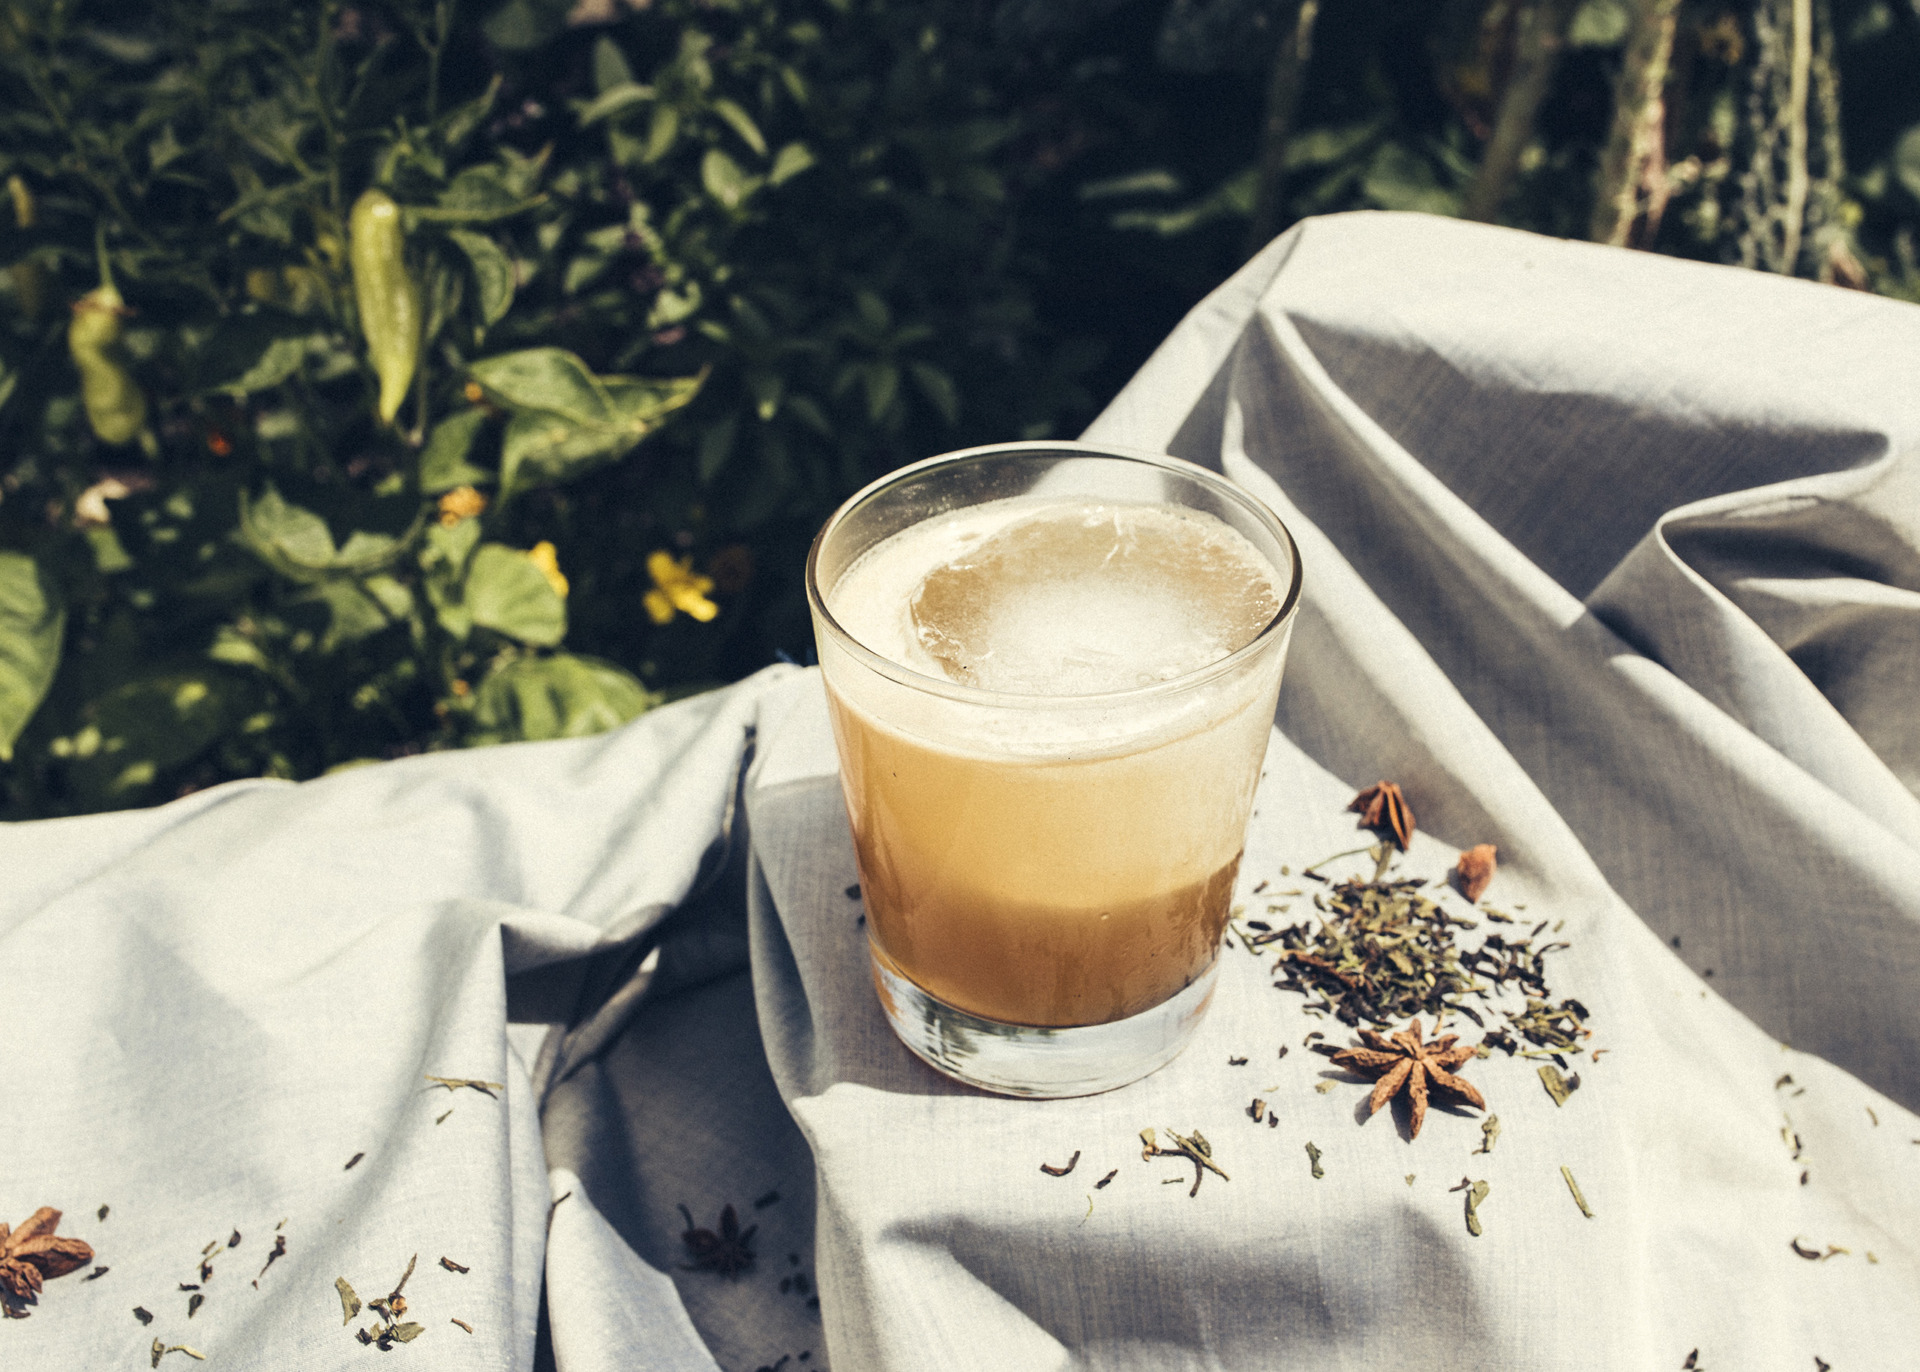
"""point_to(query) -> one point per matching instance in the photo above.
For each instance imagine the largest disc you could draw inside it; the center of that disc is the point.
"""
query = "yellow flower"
(544, 556)
(677, 587)
(463, 502)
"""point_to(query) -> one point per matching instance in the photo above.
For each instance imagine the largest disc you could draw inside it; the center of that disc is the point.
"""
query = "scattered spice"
(1053, 1171)
(1489, 1133)
(1405, 1061)
(1558, 1087)
(103, 1212)
(1283, 1050)
(351, 1161)
(160, 1352)
(1820, 1364)
(1101, 1185)
(32, 1255)
(1574, 1187)
(485, 1088)
(194, 1302)
(1476, 1195)
(1410, 1177)
(389, 1329)
(96, 1274)
(1810, 1254)
(1475, 869)
(443, 1117)
(1875, 1118)
(1236, 1062)
(1692, 1363)
(1383, 809)
(233, 1239)
(279, 1252)
(463, 1324)
(453, 1266)
(1313, 1158)
(142, 1314)
(1257, 1109)
(728, 1252)
(1194, 1147)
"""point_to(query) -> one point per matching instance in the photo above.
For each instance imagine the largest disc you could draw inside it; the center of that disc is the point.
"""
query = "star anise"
(728, 1252)
(1384, 810)
(1474, 870)
(31, 1255)
(1404, 1061)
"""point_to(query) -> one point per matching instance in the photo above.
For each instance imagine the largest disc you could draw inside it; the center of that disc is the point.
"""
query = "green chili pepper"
(116, 406)
(387, 295)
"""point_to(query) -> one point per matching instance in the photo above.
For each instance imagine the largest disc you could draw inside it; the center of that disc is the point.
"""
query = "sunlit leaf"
(741, 123)
(32, 623)
(508, 593)
(562, 696)
(492, 272)
(443, 462)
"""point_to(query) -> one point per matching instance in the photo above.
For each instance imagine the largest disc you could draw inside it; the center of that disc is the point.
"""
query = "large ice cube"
(1076, 599)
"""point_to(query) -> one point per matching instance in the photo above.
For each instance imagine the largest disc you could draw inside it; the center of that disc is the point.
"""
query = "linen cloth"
(1611, 560)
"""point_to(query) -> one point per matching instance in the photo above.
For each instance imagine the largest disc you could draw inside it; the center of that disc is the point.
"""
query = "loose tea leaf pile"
(1383, 951)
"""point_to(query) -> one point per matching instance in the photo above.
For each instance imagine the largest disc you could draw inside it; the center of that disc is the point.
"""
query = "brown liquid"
(1049, 891)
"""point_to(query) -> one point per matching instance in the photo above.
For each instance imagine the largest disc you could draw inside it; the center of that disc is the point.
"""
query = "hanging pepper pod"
(387, 296)
(116, 406)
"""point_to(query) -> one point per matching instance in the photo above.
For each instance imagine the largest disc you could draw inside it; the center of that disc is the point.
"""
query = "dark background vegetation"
(872, 229)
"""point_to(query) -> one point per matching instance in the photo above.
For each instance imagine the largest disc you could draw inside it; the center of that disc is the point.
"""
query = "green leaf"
(492, 273)
(505, 592)
(32, 622)
(1600, 24)
(568, 420)
(138, 730)
(615, 100)
(662, 132)
(938, 388)
(520, 25)
(562, 696)
(741, 123)
(478, 195)
(250, 352)
(360, 609)
(443, 462)
(297, 544)
(789, 163)
(724, 179)
(610, 67)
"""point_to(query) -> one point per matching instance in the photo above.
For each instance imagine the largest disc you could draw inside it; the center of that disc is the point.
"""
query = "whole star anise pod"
(728, 1252)
(1384, 810)
(31, 1255)
(1404, 1061)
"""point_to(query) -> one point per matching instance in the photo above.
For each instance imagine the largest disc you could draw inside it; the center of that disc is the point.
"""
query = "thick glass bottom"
(1034, 1061)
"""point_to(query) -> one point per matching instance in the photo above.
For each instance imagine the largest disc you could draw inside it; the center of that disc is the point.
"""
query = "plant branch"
(1639, 122)
(1284, 85)
(1543, 31)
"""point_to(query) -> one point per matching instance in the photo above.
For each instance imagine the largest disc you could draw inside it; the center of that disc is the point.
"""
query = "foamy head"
(1058, 597)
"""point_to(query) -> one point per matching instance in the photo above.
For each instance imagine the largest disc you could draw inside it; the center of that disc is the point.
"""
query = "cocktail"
(1052, 671)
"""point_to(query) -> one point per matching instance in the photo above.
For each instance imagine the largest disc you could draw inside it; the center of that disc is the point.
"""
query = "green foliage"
(687, 273)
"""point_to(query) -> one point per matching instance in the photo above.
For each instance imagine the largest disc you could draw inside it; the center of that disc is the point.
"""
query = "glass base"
(1035, 1061)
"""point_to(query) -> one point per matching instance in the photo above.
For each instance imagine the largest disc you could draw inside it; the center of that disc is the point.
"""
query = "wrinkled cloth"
(1610, 560)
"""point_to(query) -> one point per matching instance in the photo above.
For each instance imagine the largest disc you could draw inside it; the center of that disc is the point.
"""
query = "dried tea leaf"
(408, 1332)
(1557, 1086)
(1053, 1171)
(1489, 1133)
(453, 1266)
(485, 1088)
(1810, 1254)
(1475, 1195)
(142, 1314)
(352, 1161)
(194, 1302)
(349, 1300)
(464, 1325)
(1257, 1110)
(1102, 1183)
(103, 1211)
(1574, 1187)
(1313, 1156)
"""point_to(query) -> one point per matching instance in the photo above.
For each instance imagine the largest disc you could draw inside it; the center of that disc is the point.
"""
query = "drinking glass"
(1047, 873)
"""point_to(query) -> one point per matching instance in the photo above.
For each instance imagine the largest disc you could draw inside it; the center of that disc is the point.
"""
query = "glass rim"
(978, 695)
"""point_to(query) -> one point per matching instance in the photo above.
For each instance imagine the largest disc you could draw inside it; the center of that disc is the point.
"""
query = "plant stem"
(1283, 101)
(1543, 30)
(1799, 74)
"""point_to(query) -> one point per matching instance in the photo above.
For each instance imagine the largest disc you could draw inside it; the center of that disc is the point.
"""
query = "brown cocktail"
(1052, 671)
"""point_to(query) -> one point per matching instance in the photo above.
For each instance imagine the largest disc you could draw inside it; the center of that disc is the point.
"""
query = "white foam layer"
(1051, 597)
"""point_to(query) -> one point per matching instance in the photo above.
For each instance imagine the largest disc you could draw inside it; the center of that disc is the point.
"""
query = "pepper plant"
(338, 337)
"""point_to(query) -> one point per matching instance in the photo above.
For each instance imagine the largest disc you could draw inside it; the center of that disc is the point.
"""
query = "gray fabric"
(1610, 560)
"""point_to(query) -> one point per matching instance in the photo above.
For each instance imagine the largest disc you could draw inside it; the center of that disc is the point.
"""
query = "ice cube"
(1076, 599)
